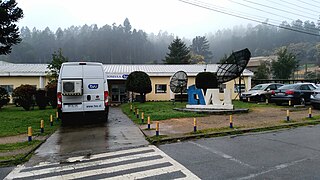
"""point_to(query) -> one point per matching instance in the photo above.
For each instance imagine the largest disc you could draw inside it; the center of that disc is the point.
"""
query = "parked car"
(315, 98)
(260, 92)
(297, 93)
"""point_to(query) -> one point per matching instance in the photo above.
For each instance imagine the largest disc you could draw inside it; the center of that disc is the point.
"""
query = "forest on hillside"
(123, 44)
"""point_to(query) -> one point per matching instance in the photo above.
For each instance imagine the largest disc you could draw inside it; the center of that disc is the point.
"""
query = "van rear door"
(93, 88)
(71, 103)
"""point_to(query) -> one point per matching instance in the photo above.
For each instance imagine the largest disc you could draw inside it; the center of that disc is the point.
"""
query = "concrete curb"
(183, 137)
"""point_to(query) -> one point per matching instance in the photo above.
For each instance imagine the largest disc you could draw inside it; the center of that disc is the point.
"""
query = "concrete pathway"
(119, 132)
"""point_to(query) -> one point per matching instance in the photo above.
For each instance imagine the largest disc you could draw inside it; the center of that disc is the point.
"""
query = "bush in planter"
(206, 80)
(51, 89)
(4, 97)
(41, 98)
(25, 96)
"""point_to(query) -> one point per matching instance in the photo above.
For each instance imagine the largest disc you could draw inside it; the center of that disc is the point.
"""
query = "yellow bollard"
(148, 122)
(51, 120)
(310, 113)
(194, 125)
(157, 128)
(30, 134)
(42, 126)
(231, 123)
(142, 117)
(57, 116)
(138, 113)
(289, 102)
(288, 115)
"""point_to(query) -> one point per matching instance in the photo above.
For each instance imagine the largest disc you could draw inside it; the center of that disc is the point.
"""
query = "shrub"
(24, 96)
(139, 82)
(4, 97)
(51, 89)
(206, 80)
(41, 98)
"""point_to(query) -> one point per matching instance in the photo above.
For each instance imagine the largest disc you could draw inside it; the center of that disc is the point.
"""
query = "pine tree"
(200, 46)
(9, 32)
(179, 53)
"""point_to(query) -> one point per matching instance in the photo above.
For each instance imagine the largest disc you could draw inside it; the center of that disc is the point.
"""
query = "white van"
(82, 88)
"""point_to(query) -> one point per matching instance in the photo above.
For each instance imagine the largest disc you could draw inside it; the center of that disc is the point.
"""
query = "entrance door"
(118, 93)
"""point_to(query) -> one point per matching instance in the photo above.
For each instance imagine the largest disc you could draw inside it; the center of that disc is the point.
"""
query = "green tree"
(9, 32)
(200, 46)
(139, 82)
(4, 97)
(206, 80)
(285, 65)
(179, 53)
(55, 65)
(263, 71)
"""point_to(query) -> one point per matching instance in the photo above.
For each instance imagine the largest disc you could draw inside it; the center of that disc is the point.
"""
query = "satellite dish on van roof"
(179, 82)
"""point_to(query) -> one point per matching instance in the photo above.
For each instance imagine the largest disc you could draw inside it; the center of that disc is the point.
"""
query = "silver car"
(315, 98)
(260, 92)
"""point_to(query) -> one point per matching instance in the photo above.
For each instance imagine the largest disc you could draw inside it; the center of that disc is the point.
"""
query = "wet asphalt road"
(117, 133)
(287, 154)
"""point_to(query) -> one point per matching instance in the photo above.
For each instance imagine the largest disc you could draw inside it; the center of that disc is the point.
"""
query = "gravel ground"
(257, 117)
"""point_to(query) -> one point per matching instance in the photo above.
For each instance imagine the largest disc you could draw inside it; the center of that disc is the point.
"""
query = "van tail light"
(272, 92)
(106, 100)
(289, 92)
(59, 99)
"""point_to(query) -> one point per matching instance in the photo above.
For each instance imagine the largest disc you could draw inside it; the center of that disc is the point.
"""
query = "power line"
(278, 9)
(295, 9)
(315, 1)
(267, 12)
(293, 4)
(309, 4)
(250, 19)
(261, 10)
(238, 12)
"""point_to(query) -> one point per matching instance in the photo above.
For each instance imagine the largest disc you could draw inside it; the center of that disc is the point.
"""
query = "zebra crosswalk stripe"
(125, 164)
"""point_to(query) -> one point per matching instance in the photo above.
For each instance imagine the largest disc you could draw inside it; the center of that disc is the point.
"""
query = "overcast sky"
(173, 16)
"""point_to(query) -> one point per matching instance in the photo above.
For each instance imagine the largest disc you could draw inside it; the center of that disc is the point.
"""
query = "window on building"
(237, 87)
(161, 88)
(222, 87)
(9, 88)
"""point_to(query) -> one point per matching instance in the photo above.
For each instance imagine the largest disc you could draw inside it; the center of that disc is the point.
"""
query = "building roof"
(116, 70)
(256, 61)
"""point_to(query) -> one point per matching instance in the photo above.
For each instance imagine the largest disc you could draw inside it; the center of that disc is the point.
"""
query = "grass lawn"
(247, 105)
(15, 120)
(158, 111)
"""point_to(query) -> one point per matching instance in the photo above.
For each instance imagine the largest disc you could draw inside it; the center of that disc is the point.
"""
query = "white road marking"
(145, 174)
(278, 167)
(46, 168)
(80, 165)
(226, 156)
(89, 173)
(108, 154)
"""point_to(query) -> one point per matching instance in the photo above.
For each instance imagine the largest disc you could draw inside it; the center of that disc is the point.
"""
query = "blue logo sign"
(93, 86)
(125, 76)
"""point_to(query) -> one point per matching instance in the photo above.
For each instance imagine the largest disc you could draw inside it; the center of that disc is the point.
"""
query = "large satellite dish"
(179, 82)
(233, 66)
